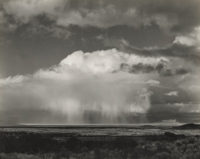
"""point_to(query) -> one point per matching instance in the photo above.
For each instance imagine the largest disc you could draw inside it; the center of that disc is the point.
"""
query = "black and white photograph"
(99, 79)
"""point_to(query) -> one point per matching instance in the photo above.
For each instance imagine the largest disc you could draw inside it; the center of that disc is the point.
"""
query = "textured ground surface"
(100, 142)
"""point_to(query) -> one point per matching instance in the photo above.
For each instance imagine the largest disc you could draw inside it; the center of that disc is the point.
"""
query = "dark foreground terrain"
(145, 142)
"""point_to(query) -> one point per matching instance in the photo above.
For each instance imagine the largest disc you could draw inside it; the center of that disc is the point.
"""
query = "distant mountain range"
(134, 126)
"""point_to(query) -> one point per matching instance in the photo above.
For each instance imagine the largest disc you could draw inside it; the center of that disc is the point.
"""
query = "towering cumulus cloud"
(82, 88)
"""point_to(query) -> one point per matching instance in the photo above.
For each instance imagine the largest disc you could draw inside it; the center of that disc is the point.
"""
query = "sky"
(99, 61)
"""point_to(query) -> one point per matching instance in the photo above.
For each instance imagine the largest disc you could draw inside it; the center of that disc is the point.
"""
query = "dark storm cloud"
(104, 13)
(161, 68)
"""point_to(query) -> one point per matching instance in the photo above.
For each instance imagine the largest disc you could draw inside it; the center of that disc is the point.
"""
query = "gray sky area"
(99, 61)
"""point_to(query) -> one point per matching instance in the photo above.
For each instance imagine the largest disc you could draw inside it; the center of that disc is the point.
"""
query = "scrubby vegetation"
(59, 146)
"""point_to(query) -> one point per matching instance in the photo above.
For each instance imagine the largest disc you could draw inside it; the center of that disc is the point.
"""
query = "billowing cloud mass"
(173, 93)
(81, 84)
(190, 39)
(109, 61)
(84, 88)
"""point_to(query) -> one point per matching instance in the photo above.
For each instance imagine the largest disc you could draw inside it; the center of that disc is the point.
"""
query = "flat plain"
(100, 141)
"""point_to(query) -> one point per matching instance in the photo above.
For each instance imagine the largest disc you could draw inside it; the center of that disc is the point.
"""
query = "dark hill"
(189, 126)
